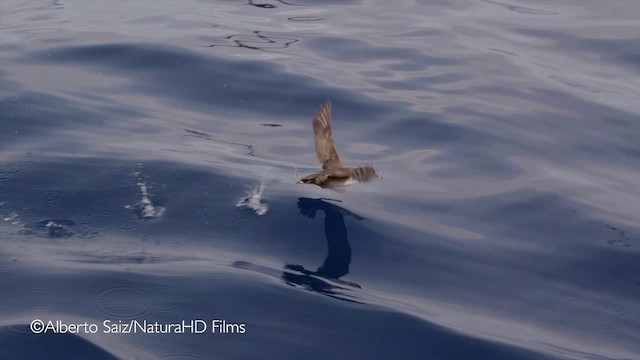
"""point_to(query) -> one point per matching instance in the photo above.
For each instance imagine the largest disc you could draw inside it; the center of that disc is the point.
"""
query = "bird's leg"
(295, 174)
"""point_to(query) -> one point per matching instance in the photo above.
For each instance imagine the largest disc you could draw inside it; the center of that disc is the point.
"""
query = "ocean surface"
(147, 189)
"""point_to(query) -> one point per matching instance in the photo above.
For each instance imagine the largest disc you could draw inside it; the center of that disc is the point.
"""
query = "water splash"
(253, 200)
(12, 218)
(49, 228)
(145, 209)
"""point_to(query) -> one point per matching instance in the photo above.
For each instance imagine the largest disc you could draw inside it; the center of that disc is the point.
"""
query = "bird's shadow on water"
(326, 280)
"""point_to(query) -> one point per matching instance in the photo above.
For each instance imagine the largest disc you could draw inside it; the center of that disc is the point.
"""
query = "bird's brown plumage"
(333, 175)
(325, 146)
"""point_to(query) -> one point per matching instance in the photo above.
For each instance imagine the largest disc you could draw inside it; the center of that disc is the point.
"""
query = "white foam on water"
(13, 218)
(145, 209)
(253, 200)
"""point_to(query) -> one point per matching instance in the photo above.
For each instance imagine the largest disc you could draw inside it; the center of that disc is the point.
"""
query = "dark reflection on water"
(270, 6)
(339, 256)
(258, 41)
(336, 264)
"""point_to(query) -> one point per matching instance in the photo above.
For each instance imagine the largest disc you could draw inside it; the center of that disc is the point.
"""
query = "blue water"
(147, 159)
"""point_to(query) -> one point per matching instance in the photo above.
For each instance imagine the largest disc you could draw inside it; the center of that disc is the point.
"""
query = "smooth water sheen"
(147, 159)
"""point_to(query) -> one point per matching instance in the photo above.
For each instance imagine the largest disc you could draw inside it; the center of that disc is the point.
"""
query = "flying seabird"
(334, 175)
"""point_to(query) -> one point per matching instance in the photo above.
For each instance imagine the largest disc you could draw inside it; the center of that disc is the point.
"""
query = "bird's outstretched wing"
(325, 147)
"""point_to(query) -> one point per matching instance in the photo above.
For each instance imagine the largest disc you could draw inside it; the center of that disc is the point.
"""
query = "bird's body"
(333, 175)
